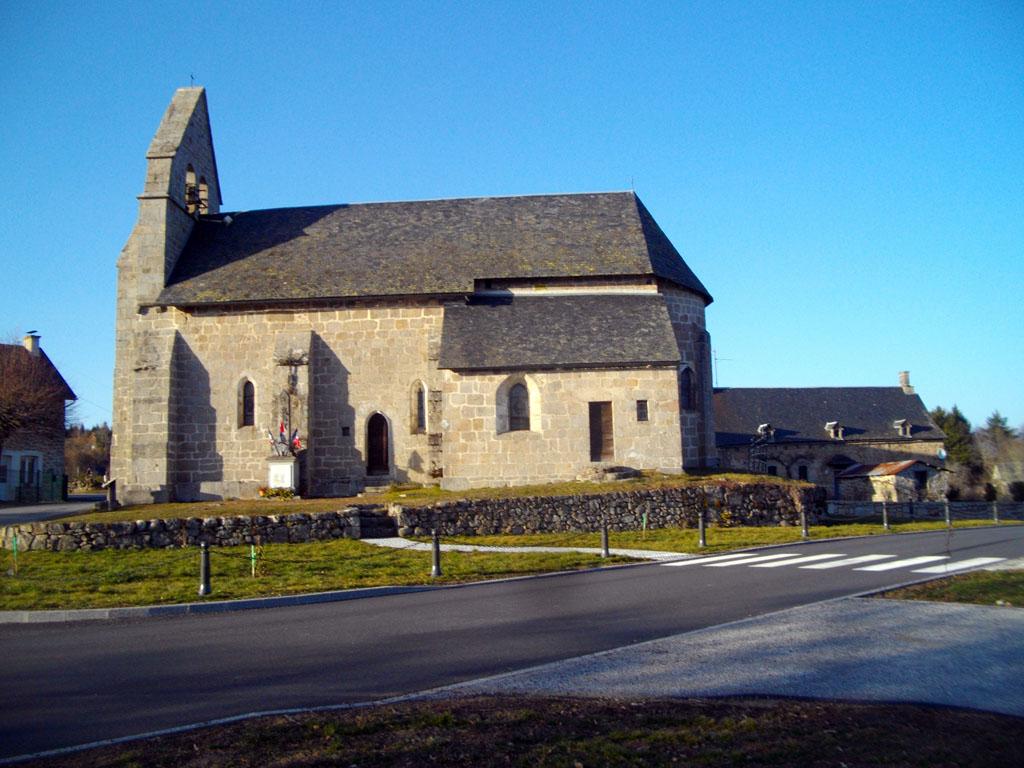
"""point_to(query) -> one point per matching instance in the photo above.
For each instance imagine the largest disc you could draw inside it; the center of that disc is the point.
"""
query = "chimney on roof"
(905, 383)
(31, 342)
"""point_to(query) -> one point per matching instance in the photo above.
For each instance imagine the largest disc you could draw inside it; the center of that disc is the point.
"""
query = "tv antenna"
(717, 358)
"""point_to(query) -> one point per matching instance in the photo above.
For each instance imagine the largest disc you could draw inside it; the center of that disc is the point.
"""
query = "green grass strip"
(113, 578)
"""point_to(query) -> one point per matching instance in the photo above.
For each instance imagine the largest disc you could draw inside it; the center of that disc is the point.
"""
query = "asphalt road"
(34, 513)
(78, 683)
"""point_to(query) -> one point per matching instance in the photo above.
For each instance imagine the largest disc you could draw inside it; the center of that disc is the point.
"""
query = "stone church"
(469, 342)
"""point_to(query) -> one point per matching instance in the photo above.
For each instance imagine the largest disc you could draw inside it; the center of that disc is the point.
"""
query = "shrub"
(275, 493)
(1016, 489)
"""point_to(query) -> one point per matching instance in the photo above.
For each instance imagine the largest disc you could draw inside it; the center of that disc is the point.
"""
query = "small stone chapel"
(469, 342)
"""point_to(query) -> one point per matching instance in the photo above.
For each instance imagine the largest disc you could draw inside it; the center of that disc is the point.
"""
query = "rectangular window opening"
(641, 410)
(602, 446)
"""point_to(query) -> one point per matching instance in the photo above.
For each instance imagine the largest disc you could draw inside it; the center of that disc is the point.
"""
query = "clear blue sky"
(847, 179)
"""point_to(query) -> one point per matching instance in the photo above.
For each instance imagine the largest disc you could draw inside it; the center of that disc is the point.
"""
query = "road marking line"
(903, 563)
(850, 561)
(749, 560)
(706, 560)
(795, 560)
(950, 567)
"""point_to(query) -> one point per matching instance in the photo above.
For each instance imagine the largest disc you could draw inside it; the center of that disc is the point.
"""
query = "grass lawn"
(109, 578)
(415, 496)
(980, 587)
(718, 539)
(564, 732)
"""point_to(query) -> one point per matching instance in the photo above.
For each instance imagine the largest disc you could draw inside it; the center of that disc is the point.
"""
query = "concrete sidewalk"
(396, 542)
(856, 649)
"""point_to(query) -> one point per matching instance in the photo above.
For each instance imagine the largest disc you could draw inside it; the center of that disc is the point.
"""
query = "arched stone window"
(418, 409)
(517, 404)
(518, 408)
(204, 195)
(191, 190)
(246, 404)
(687, 391)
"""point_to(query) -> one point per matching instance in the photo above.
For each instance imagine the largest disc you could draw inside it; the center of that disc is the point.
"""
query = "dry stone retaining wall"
(761, 504)
(218, 531)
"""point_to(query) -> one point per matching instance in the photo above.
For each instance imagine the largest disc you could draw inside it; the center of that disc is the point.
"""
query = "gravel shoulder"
(852, 649)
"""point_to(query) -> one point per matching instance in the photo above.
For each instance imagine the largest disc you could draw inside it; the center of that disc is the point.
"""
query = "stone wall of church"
(359, 361)
(686, 311)
(477, 452)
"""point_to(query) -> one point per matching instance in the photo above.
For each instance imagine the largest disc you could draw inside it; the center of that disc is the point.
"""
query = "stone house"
(898, 481)
(816, 433)
(32, 459)
(466, 342)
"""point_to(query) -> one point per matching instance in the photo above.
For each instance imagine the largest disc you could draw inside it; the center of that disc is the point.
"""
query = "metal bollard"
(435, 569)
(604, 539)
(204, 568)
(702, 539)
(885, 516)
(949, 520)
(804, 533)
(995, 512)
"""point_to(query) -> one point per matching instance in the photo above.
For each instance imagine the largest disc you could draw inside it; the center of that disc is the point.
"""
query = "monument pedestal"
(283, 472)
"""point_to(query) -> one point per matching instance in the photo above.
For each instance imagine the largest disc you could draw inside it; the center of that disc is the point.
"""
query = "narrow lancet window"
(518, 408)
(247, 411)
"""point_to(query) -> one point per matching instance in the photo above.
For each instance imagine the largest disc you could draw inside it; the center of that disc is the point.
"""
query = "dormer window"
(766, 432)
(902, 427)
(834, 429)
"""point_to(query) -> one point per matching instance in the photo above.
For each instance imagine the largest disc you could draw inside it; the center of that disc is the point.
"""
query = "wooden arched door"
(377, 445)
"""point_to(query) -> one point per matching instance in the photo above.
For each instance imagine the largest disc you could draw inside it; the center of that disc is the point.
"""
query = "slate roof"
(56, 379)
(429, 247)
(800, 414)
(558, 332)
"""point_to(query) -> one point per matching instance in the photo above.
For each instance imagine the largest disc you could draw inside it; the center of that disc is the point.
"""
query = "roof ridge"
(608, 193)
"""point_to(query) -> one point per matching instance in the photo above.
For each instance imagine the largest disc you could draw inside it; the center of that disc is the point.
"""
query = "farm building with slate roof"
(472, 342)
(32, 456)
(817, 433)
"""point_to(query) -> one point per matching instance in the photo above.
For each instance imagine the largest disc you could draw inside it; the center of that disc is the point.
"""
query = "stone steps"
(376, 524)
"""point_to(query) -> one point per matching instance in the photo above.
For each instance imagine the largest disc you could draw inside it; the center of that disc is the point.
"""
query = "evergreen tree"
(998, 429)
(959, 441)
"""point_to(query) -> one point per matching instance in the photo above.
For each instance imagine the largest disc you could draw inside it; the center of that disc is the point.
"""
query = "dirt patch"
(556, 731)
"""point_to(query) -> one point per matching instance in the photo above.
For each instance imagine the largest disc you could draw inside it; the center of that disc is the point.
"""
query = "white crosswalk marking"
(848, 561)
(706, 560)
(795, 560)
(963, 564)
(783, 559)
(903, 563)
(749, 560)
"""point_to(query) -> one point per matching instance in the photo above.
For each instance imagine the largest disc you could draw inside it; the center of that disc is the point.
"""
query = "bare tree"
(32, 394)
